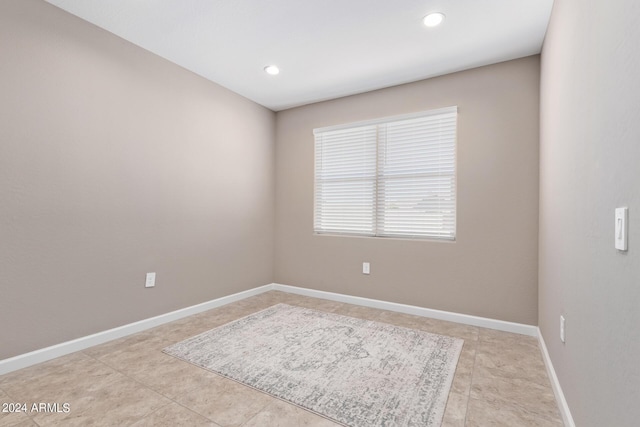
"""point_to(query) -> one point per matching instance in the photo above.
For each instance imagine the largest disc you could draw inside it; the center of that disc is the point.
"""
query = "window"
(393, 177)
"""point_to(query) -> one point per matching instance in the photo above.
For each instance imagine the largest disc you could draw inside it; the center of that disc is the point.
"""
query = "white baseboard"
(465, 319)
(555, 384)
(48, 353)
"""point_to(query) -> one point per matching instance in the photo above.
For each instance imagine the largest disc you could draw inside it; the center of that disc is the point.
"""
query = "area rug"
(353, 371)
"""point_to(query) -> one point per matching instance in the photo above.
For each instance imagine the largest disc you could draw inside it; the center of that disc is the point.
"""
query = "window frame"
(378, 176)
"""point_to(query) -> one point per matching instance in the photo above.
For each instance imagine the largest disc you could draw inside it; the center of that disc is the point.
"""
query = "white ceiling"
(325, 48)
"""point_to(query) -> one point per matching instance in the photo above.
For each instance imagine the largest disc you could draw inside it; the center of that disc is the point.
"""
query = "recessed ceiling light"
(433, 19)
(272, 69)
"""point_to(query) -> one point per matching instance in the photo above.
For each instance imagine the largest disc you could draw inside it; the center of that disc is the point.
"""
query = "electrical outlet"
(365, 268)
(562, 329)
(150, 282)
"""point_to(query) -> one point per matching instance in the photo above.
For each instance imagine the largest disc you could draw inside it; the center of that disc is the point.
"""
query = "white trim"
(382, 120)
(465, 319)
(555, 384)
(48, 353)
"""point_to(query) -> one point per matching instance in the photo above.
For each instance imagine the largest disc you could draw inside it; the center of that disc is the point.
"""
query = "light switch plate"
(622, 217)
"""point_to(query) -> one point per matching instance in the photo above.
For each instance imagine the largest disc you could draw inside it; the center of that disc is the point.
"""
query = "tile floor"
(500, 379)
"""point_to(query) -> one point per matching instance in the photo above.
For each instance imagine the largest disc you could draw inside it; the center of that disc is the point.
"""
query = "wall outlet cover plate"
(150, 281)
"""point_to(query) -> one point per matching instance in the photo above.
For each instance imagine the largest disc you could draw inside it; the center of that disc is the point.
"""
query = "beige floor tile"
(42, 369)
(190, 326)
(482, 414)
(315, 303)
(134, 362)
(160, 372)
(506, 339)
(288, 298)
(224, 401)
(54, 381)
(122, 402)
(507, 353)
(458, 330)
(270, 298)
(456, 410)
(278, 296)
(282, 414)
(16, 413)
(258, 302)
(366, 313)
(511, 366)
(402, 319)
(237, 309)
(173, 334)
(220, 316)
(202, 322)
(464, 369)
(174, 415)
(159, 337)
(146, 339)
(510, 356)
(173, 377)
(530, 397)
(434, 326)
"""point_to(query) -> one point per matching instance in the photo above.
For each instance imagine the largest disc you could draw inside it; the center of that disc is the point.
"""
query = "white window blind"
(392, 177)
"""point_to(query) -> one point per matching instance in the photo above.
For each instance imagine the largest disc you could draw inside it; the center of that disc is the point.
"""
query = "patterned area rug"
(355, 372)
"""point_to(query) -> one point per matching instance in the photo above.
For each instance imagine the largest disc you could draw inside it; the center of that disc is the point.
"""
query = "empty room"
(319, 213)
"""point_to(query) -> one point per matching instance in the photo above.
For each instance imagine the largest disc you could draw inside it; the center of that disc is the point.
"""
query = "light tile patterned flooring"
(500, 379)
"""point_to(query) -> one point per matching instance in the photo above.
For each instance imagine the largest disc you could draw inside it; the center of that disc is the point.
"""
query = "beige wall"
(589, 158)
(115, 162)
(491, 270)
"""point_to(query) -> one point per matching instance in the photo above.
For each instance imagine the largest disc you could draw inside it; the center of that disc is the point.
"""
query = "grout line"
(473, 372)
(258, 413)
